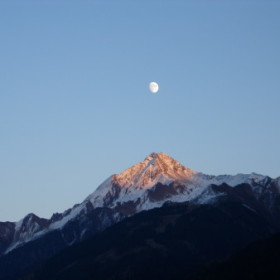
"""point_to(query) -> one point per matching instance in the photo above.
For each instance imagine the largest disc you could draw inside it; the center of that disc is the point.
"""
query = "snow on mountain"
(132, 184)
(156, 168)
(26, 229)
(145, 185)
(160, 173)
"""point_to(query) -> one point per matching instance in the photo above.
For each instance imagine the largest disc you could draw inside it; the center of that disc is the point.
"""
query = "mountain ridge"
(143, 186)
(170, 242)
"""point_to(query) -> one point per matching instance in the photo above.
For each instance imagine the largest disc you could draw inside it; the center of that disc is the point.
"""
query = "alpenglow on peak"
(157, 167)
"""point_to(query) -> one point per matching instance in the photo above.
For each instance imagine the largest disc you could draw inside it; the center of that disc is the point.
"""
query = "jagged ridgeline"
(150, 184)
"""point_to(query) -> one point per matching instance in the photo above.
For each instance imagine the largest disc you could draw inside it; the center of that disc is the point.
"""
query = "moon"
(154, 87)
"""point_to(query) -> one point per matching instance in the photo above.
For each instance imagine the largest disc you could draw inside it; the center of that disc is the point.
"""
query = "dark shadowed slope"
(258, 261)
(166, 243)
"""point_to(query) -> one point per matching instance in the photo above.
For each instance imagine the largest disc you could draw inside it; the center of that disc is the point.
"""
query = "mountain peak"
(157, 155)
(157, 167)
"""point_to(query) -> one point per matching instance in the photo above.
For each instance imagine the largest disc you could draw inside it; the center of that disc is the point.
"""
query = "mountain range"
(243, 207)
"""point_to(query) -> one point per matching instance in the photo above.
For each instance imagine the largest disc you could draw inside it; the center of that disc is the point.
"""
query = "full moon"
(154, 87)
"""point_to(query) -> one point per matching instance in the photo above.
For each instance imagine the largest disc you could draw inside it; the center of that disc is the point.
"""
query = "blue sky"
(75, 105)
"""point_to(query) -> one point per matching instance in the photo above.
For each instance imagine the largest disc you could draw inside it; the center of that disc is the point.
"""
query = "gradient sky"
(75, 105)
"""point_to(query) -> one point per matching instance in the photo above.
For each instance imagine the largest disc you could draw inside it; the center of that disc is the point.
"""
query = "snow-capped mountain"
(160, 178)
(145, 185)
